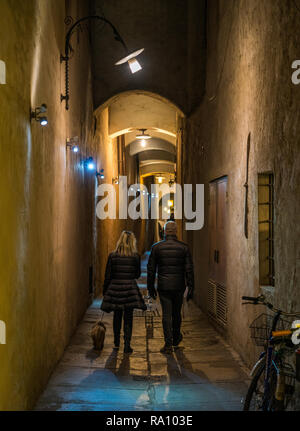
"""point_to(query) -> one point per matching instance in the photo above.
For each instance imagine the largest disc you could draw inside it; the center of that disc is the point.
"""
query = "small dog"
(98, 335)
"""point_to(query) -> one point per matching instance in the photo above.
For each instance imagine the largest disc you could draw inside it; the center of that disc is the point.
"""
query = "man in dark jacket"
(172, 260)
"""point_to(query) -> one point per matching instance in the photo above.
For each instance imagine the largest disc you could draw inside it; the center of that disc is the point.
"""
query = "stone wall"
(46, 202)
(250, 48)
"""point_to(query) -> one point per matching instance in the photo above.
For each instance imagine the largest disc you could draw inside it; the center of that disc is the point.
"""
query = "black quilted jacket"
(172, 260)
(120, 290)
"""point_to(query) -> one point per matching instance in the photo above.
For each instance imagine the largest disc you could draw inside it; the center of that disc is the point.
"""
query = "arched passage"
(120, 153)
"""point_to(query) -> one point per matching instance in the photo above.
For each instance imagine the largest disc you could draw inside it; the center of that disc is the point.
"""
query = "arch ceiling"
(130, 111)
(156, 167)
(156, 155)
(133, 110)
(152, 144)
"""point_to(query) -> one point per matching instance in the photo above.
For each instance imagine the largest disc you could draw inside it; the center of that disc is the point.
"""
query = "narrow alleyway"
(117, 116)
(204, 373)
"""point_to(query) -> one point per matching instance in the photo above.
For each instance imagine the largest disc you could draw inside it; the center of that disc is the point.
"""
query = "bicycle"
(273, 379)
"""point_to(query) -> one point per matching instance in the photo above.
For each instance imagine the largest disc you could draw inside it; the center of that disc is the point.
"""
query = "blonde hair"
(126, 245)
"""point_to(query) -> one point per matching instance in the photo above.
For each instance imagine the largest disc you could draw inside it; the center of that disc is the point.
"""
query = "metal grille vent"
(211, 298)
(217, 302)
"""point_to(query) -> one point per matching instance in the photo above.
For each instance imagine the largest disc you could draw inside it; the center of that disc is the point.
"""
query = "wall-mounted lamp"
(89, 164)
(129, 58)
(100, 174)
(36, 115)
(72, 143)
(171, 182)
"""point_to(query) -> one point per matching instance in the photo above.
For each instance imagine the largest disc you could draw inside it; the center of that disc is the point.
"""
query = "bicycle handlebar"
(261, 300)
(250, 298)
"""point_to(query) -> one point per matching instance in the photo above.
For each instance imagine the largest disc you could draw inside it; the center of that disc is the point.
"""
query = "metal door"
(217, 295)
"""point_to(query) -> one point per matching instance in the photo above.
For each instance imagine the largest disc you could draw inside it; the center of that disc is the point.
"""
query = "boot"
(166, 350)
(176, 342)
(128, 316)
(117, 342)
(117, 322)
(127, 348)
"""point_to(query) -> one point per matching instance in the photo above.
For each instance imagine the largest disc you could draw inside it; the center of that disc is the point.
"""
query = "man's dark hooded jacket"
(172, 260)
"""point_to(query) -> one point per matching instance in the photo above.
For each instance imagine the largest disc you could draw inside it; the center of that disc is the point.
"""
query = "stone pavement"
(203, 373)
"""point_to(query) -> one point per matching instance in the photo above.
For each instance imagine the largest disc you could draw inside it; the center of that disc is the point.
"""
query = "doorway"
(217, 289)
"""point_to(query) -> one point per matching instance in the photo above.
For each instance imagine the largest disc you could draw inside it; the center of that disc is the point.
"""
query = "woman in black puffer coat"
(120, 290)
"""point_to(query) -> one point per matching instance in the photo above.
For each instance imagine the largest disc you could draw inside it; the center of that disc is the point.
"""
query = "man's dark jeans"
(171, 303)
(128, 317)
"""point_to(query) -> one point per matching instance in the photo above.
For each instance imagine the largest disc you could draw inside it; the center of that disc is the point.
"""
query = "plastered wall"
(46, 198)
(250, 48)
(109, 230)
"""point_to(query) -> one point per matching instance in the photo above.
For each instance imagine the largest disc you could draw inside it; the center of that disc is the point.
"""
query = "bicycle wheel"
(271, 403)
(256, 398)
(255, 395)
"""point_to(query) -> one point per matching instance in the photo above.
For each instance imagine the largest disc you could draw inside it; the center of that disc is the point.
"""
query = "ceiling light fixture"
(143, 135)
(160, 179)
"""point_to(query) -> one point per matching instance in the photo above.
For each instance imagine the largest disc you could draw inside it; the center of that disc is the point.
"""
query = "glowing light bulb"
(43, 121)
(132, 61)
(90, 164)
(134, 65)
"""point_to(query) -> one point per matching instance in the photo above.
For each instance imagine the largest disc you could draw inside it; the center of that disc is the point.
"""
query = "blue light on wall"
(73, 144)
(91, 164)
(100, 174)
(36, 115)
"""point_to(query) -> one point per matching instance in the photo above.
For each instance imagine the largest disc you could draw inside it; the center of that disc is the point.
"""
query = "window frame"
(270, 222)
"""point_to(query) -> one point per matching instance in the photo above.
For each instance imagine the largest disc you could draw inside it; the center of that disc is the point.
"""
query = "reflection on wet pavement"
(201, 374)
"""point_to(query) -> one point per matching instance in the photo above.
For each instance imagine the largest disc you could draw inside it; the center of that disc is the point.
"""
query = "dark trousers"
(171, 304)
(128, 318)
